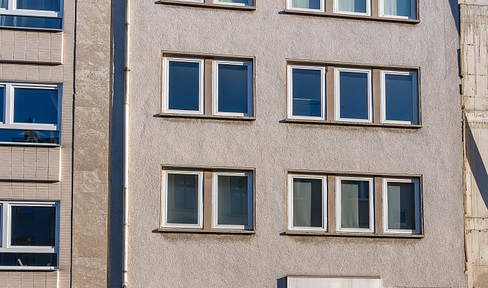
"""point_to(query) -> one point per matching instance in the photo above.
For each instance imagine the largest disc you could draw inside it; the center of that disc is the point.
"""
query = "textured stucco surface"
(271, 146)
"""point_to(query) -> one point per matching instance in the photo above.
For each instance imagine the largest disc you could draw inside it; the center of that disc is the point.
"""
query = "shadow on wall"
(455, 12)
(476, 164)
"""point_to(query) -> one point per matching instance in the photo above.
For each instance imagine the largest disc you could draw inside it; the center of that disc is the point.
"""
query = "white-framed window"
(399, 97)
(306, 5)
(183, 85)
(401, 9)
(46, 14)
(306, 92)
(30, 113)
(232, 88)
(353, 95)
(235, 2)
(29, 235)
(307, 203)
(353, 7)
(401, 206)
(354, 204)
(232, 200)
(182, 199)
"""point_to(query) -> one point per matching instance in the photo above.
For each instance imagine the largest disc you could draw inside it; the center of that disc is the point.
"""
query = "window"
(306, 99)
(354, 7)
(399, 99)
(30, 113)
(235, 2)
(403, 9)
(31, 14)
(353, 95)
(401, 201)
(229, 4)
(355, 210)
(307, 203)
(30, 233)
(208, 87)
(306, 5)
(228, 201)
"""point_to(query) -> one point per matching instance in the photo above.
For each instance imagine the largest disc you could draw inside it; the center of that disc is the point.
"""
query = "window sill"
(201, 231)
(28, 268)
(214, 117)
(208, 5)
(31, 29)
(350, 234)
(358, 17)
(347, 123)
(30, 144)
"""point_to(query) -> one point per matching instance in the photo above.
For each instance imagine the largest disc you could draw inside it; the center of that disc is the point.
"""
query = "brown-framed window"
(225, 4)
(209, 200)
(338, 204)
(335, 93)
(207, 86)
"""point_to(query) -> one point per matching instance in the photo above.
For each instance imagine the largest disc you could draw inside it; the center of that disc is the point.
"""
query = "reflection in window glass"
(397, 7)
(31, 22)
(401, 206)
(33, 226)
(184, 86)
(2, 103)
(354, 204)
(29, 136)
(182, 201)
(4, 4)
(233, 90)
(29, 259)
(233, 200)
(356, 6)
(307, 92)
(244, 2)
(354, 95)
(307, 203)
(50, 5)
(399, 97)
(35, 106)
(306, 4)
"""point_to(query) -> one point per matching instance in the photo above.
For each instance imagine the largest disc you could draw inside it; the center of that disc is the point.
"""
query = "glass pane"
(2, 103)
(3, 4)
(306, 92)
(306, 4)
(29, 259)
(29, 136)
(307, 203)
(51, 5)
(233, 200)
(182, 199)
(354, 95)
(184, 86)
(33, 226)
(357, 6)
(398, 7)
(354, 204)
(399, 98)
(35, 106)
(31, 22)
(245, 2)
(233, 88)
(401, 206)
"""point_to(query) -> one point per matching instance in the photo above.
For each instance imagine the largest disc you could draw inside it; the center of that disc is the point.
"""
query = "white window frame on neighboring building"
(415, 97)
(322, 91)
(321, 9)
(337, 94)
(413, 10)
(12, 10)
(249, 3)
(417, 206)
(367, 13)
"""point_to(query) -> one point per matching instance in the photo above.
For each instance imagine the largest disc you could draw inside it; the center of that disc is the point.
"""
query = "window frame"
(415, 96)
(412, 16)
(6, 228)
(201, 85)
(291, 8)
(323, 98)
(290, 199)
(367, 13)
(371, 228)
(337, 94)
(248, 4)
(215, 201)
(386, 230)
(215, 87)
(12, 10)
(164, 200)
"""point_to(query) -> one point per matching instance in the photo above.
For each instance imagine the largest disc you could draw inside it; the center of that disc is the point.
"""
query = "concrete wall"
(272, 146)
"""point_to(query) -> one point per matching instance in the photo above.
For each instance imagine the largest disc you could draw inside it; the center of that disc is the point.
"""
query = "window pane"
(233, 88)
(401, 206)
(35, 106)
(307, 203)
(51, 5)
(31, 22)
(306, 4)
(399, 98)
(182, 199)
(306, 92)
(33, 226)
(233, 200)
(2, 103)
(355, 204)
(354, 95)
(29, 259)
(398, 7)
(29, 136)
(245, 2)
(3, 3)
(358, 6)
(184, 86)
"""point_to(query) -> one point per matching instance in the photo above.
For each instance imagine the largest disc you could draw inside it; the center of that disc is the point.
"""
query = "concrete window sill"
(345, 123)
(208, 5)
(357, 17)
(355, 235)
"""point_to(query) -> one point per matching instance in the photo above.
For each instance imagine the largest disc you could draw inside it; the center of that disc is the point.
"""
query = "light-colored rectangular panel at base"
(20, 279)
(332, 282)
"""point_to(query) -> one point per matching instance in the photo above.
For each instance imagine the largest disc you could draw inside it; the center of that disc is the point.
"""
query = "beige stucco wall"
(271, 146)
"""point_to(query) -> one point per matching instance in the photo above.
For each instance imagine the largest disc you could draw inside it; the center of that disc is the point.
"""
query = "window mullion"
(374, 8)
(208, 86)
(207, 200)
(9, 103)
(329, 93)
(378, 205)
(11, 5)
(5, 225)
(376, 76)
(331, 204)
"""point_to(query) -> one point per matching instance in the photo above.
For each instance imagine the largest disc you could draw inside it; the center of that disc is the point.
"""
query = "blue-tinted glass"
(358, 6)
(182, 199)
(397, 7)
(399, 97)
(233, 200)
(233, 88)
(245, 2)
(2, 103)
(3, 3)
(29, 259)
(50, 5)
(33, 226)
(31, 22)
(306, 4)
(184, 86)
(354, 95)
(35, 106)
(306, 92)
(29, 136)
